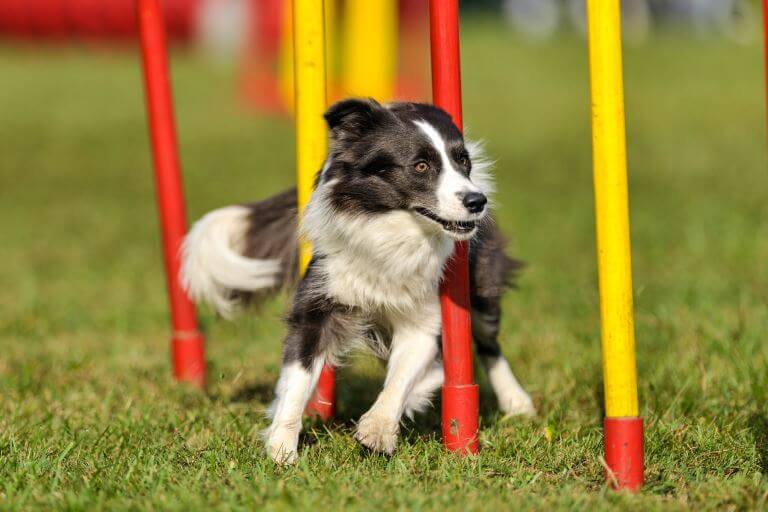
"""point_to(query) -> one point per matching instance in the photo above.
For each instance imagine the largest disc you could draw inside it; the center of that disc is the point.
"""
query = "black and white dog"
(398, 187)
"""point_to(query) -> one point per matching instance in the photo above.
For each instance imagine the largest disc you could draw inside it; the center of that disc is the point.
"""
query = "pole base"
(188, 349)
(461, 410)
(624, 452)
(323, 402)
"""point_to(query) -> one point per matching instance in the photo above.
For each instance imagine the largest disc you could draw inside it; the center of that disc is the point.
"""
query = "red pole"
(460, 393)
(187, 341)
(322, 405)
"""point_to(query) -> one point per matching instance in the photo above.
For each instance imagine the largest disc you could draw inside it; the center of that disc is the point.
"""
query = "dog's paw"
(282, 445)
(517, 404)
(377, 433)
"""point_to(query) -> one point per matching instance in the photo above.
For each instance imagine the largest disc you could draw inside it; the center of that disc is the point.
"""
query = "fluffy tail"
(237, 254)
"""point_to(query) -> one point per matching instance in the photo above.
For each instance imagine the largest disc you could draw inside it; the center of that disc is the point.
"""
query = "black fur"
(314, 322)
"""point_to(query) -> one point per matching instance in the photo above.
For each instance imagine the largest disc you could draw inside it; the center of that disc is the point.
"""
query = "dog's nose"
(474, 202)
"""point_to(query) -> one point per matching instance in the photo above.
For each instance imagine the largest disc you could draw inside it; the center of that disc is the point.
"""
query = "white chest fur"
(389, 261)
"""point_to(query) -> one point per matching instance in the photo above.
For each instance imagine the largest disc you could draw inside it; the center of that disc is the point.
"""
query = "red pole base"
(624, 452)
(461, 407)
(189, 358)
(323, 402)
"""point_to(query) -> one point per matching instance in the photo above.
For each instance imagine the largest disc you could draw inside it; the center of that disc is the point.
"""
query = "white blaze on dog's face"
(453, 186)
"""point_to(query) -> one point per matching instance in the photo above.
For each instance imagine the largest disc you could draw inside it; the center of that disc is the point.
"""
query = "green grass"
(90, 419)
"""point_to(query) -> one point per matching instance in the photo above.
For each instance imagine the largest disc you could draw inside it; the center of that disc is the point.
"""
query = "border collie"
(398, 188)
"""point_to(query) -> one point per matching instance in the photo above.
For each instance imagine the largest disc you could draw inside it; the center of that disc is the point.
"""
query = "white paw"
(377, 433)
(517, 404)
(282, 444)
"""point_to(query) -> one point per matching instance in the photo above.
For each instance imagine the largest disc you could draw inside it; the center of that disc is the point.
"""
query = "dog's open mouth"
(459, 227)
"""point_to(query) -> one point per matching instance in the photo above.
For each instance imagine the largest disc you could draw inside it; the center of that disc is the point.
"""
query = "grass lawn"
(90, 418)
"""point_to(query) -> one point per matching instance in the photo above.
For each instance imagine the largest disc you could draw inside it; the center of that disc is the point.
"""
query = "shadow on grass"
(758, 425)
(356, 392)
(258, 391)
(599, 394)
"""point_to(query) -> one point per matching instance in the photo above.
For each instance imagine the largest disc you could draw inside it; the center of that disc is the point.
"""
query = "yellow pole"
(309, 72)
(611, 209)
(370, 48)
(285, 65)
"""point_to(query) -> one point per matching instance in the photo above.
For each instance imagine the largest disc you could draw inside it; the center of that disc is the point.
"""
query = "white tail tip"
(213, 268)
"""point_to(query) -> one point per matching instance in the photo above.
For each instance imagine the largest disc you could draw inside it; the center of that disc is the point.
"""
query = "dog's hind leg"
(491, 274)
(423, 391)
(513, 400)
(413, 350)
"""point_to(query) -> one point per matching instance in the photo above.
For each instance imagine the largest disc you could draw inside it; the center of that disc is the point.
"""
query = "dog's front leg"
(414, 348)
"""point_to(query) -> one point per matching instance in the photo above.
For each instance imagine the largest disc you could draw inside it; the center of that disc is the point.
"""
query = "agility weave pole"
(187, 343)
(623, 425)
(311, 144)
(461, 396)
(370, 48)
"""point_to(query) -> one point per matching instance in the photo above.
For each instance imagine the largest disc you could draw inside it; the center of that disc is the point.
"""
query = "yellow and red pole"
(623, 425)
(460, 397)
(310, 104)
(187, 343)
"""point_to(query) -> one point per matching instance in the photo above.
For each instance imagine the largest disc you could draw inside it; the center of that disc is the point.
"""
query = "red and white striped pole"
(460, 393)
(187, 342)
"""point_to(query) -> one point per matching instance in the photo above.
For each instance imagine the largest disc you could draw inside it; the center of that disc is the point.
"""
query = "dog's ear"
(351, 118)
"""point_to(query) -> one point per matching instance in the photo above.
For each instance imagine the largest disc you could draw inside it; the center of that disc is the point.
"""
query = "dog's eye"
(421, 167)
(378, 165)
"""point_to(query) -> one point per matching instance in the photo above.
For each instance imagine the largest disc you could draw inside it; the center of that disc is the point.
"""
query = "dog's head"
(405, 156)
